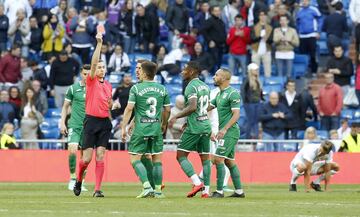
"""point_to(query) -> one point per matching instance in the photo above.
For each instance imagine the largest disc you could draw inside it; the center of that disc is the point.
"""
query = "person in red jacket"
(330, 104)
(189, 40)
(238, 38)
(357, 81)
(10, 74)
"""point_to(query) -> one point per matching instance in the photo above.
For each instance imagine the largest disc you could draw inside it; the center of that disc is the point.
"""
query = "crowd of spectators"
(44, 43)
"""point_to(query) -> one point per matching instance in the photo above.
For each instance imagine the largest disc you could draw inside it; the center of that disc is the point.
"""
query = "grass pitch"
(53, 199)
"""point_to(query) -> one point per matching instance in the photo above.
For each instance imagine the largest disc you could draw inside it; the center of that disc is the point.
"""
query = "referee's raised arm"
(96, 56)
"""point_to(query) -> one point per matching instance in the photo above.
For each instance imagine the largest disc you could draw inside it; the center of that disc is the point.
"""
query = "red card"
(100, 29)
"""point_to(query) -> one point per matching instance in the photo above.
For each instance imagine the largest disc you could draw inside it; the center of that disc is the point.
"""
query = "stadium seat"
(347, 113)
(300, 134)
(300, 65)
(51, 102)
(323, 50)
(17, 133)
(323, 134)
(269, 88)
(52, 133)
(289, 147)
(356, 114)
(50, 123)
(53, 112)
(274, 80)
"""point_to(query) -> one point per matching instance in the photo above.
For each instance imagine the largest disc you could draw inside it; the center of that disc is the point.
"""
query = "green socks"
(149, 169)
(235, 176)
(186, 166)
(220, 174)
(157, 174)
(72, 165)
(206, 172)
(140, 171)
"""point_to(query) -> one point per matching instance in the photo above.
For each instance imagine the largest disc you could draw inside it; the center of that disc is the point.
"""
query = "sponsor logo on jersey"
(202, 118)
(148, 120)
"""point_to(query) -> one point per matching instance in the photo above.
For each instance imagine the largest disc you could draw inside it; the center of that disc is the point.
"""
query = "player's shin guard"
(220, 174)
(235, 176)
(186, 166)
(82, 168)
(148, 164)
(72, 165)
(157, 174)
(140, 171)
(99, 173)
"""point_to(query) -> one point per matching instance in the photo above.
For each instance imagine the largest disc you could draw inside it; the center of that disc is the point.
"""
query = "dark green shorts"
(75, 135)
(146, 145)
(226, 148)
(195, 142)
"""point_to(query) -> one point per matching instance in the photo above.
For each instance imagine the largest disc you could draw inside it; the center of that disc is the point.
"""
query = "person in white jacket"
(119, 60)
(354, 11)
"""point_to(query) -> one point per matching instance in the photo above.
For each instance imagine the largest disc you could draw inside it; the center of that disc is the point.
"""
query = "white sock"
(206, 190)
(239, 191)
(201, 174)
(227, 176)
(220, 192)
(322, 177)
(195, 179)
(295, 175)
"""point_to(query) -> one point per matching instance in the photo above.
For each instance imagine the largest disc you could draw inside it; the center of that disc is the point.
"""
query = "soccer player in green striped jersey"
(151, 103)
(74, 99)
(196, 136)
(227, 103)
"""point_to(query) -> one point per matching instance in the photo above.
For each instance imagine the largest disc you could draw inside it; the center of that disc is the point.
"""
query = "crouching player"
(311, 160)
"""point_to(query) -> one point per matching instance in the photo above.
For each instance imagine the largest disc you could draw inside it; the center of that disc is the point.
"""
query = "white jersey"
(214, 119)
(310, 153)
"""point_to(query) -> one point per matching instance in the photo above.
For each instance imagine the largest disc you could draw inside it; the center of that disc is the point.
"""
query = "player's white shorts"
(314, 169)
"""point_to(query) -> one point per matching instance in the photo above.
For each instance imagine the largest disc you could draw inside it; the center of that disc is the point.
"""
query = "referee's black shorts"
(97, 132)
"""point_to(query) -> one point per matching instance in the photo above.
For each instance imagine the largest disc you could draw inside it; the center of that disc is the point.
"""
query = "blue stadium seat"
(52, 133)
(356, 114)
(185, 59)
(323, 134)
(300, 65)
(323, 50)
(51, 102)
(315, 124)
(50, 123)
(347, 113)
(300, 134)
(53, 112)
(242, 112)
(17, 133)
(269, 88)
(274, 80)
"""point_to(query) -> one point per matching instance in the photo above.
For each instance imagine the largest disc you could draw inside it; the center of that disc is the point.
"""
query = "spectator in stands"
(261, 40)
(275, 21)
(105, 55)
(172, 62)
(53, 34)
(310, 135)
(7, 110)
(36, 39)
(71, 54)
(62, 75)
(15, 100)
(251, 94)
(10, 68)
(12, 7)
(41, 8)
(147, 29)
(354, 12)
(335, 25)
(204, 59)
(273, 116)
(159, 55)
(274, 8)
(330, 104)
(112, 35)
(202, 15)
(251, 11)
(325, 6)
(4, 26)
(334, 135)
(214, 33)
(238, 39)
(119, 61)
(61, 11)
(344, 129)
(286, 40)
(39, 74)
(113, 10)
(175, 128)
(29, 128)
(26, 72)
(177, 19)
(189, 40)
(357, 79)
(293, 101)
(127, 26)
(18, 31)
(309, 107)
(341, 67)
(7, 138)
(351, 143)
(229, 13)
(41, 103)
(71, 13)
(307, 25)
(121, 93)
(83, 27)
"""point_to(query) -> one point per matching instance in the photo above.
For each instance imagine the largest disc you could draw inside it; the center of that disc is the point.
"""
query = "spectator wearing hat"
(62, 75)
(335, 25)
(4, 26)
(351, 143)
(330, 104)
(53, 35)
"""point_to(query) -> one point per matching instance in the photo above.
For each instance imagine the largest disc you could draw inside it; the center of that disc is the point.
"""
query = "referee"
(97, 124)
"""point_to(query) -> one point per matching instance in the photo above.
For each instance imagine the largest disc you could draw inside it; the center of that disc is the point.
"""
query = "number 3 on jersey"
(152, 102)
(204, 103)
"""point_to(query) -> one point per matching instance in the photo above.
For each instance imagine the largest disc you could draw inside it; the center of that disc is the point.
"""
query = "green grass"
(53, 199)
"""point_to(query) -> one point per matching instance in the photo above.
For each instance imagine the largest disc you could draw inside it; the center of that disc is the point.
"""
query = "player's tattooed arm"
(64, 113)
(127, 115)
(96, 56)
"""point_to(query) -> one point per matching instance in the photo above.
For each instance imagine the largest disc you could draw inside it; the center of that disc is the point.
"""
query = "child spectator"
(7, 139)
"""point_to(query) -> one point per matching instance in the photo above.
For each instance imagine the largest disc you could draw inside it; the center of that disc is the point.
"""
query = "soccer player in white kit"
(313, 159)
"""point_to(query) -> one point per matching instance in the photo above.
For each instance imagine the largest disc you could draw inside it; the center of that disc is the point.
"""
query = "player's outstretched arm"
(235, 117)
(64, 112)
(307, 174)
(127, 115)
(188, 109)
(96, 56)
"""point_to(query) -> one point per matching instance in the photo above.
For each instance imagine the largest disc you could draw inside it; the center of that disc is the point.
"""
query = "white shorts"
(316, 166)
